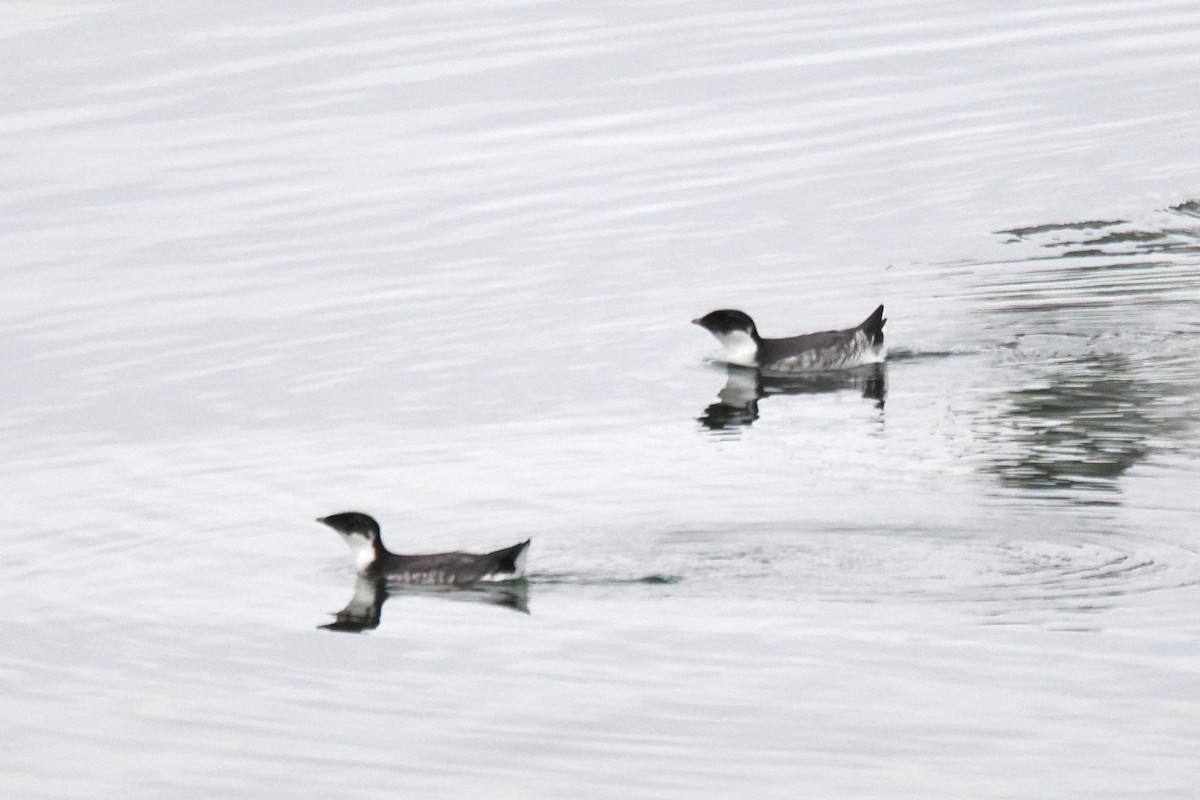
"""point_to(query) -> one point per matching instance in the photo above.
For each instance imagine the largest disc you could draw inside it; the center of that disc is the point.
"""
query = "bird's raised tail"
(510, 562)
(872, 326)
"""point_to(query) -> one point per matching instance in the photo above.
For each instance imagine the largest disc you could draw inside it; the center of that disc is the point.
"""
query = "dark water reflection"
(1109, 237)
(1085, 427)
(364, 611)
(1105, 335)
(737, 403)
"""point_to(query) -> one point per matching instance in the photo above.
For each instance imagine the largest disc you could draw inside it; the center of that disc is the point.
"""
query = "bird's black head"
(727, 321)
(360, 532)
(353, 523)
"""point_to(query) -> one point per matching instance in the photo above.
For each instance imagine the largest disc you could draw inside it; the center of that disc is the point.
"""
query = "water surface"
(437, 264)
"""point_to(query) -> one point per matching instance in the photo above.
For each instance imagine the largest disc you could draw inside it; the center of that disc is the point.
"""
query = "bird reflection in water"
(365, 608)
(737, 402)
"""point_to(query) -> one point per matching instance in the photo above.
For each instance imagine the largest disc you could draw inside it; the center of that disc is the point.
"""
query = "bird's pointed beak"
(696, 321)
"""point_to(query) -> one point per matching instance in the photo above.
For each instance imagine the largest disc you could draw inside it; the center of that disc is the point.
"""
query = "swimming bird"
(844, 349)
(361, 533)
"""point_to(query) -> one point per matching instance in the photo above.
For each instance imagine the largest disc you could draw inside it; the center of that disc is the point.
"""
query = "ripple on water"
(1003, 579)
(1046, 565)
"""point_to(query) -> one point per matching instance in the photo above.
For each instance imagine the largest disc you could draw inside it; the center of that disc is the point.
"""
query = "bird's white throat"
(360, 546)
(740, 348)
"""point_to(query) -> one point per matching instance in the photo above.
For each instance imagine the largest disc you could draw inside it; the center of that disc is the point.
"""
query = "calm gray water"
(261, 264)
